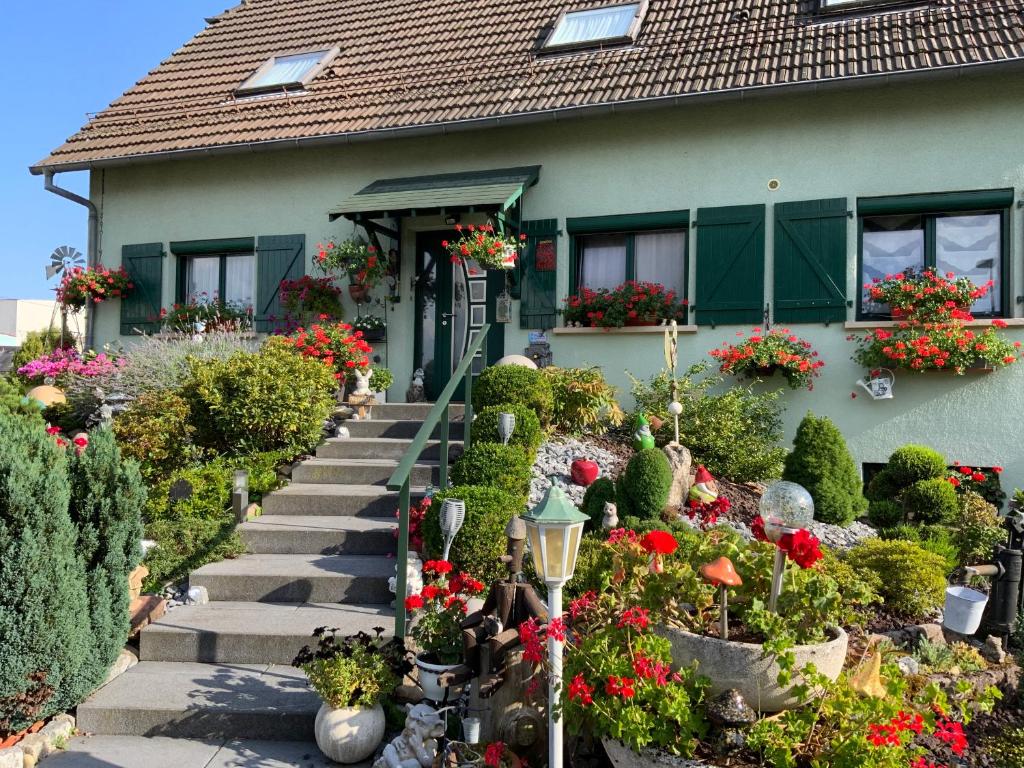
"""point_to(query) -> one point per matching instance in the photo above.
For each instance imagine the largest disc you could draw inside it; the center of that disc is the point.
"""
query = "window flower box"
(632, 304)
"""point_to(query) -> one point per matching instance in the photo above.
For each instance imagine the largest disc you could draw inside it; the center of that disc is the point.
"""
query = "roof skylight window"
(842, 5)
(597, 26)
(287, 72)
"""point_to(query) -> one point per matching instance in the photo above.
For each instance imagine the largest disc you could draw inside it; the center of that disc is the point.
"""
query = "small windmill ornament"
(63, 259)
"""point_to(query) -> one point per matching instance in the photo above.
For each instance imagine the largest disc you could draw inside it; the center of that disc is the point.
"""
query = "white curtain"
(660, 258)
(203, 278)
(596, 24)
(971, 246)
(604, 261)
(240, 281)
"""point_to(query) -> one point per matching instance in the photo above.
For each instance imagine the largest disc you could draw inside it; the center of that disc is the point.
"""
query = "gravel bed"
(555, 458)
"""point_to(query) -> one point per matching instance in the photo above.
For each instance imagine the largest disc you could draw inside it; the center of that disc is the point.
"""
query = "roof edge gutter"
(92, 242)
(524, 118)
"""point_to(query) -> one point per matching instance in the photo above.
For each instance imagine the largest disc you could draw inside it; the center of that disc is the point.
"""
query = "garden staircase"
(320, 555)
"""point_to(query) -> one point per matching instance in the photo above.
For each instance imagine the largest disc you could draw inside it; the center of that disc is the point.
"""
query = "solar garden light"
(506, 426)
(785, 508)
(554, 528)
(240, 494)
(453, 515)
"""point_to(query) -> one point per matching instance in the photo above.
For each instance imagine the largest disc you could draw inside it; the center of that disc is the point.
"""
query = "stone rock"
(730, 708)
(553, 466)
(253, 511)
(12, 757)
(680, 460)
(135, 579)
(198, 596)
(58, 730)
(908, 665)
(36, 745)
(992, 651)
(29, 762)
(931, 632)
(125, 660)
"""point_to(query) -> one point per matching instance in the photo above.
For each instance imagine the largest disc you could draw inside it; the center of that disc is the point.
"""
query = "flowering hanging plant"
(206, 316)
(336, 345)
(356, 258)
(632, 303)
(932, 312)
(438, 610)
(369, 323)
(311, 296)
(480, 243)
(94, 285)
(764, 352)
(61, 364)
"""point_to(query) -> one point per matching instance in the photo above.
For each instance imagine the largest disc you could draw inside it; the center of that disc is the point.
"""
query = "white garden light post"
(785, 508)
(554, 528)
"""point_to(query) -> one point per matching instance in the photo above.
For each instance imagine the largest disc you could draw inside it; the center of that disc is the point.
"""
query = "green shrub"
(583, 400)
(527, 432)
(44, 610)
(517, 385)
(593, 567)
(493, 465)
(643, 488)
(911, 463)
(10, 401)
(977, 529)
(381, 379)
(107, 497)
(912, 581)
(885, 513)
(598, 493)
(480, 543)
(155, 430)
(735, 433)
(822, 464)
(882, 487)
(263, 401)
(930, 501)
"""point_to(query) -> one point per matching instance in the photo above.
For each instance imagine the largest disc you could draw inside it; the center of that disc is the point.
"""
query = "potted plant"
(336, 345)
(311, 297)
(630, 304)
(437, 612)
(360, 261)
(480, 243)
(206, 315)
(381, 380)
(764, 353)
(352, 675)
(94, 285)
(373, 328)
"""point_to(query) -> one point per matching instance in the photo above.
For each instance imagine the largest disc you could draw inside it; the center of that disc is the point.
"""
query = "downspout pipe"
(92, 243)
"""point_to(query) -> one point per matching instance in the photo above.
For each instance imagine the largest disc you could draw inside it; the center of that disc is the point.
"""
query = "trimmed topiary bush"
(822, 464)
(527, 432)
(885, 513)
(44, 614)
(481, 541)
(912, 581)
(517, 385)
(932, 500)
(643, 488)
(911, 463)
(107, 497)
(598, 493)
(493, 465)
(882, 487)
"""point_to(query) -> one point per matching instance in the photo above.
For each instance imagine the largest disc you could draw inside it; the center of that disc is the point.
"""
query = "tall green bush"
(506, 467)
(107, 497)
(911, 463)
(37, 344)
(527, 432)
(44, 614)
(978, 529)
(517, 385)
(821, 462)
(643, 488)
(480, 543)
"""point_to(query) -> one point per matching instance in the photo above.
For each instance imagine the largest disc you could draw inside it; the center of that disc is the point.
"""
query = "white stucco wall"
(921, 137)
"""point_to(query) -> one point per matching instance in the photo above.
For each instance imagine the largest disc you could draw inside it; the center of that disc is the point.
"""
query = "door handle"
(447, 315)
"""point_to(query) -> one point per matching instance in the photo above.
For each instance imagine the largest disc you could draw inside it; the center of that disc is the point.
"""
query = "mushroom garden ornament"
(723, 575)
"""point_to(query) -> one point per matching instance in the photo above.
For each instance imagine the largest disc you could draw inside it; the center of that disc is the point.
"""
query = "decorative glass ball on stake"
(671, 361)
(785, 508)
(453, 515)
(506, 426)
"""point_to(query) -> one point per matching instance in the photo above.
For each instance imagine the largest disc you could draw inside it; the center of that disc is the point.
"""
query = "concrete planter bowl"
(349, 734)
(745, 667)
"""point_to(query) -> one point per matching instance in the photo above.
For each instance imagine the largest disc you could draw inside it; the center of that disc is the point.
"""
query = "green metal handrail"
(399, 480)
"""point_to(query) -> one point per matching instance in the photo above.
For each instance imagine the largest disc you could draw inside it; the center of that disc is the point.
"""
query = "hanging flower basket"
(482, 245)
(360, 261)
(764, 353)
(94, 285)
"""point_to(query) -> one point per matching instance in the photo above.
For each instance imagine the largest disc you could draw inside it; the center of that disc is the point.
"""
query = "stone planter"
(428, 675)
(349, 734)
(745, 667)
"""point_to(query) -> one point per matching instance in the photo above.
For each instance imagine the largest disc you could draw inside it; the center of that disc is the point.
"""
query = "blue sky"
(72, 57)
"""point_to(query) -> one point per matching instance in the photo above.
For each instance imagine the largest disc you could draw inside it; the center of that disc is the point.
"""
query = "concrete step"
(392, 448)
(352, 579)
(343, 500)
(361, 471)
(203, 701)
(397, 428)
(252, 633)
(319, 534)
(414, 411)
(164, 752)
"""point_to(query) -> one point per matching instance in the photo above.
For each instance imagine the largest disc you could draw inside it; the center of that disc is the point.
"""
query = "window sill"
(853, 325)
(629, 329)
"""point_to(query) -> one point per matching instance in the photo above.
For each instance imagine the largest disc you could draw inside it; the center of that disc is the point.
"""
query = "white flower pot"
(428, 674)
(349, 734)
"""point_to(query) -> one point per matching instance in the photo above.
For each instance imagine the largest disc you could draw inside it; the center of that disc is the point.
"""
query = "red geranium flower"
(580, 692)
(659, 543)
(437, 567)
(412, 602)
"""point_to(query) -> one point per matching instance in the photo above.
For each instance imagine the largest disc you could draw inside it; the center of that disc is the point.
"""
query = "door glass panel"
(202, 279)
(428, 317)
(660, 258)
(891, 244)
(970, 246)
(460, 312)
(240, 280)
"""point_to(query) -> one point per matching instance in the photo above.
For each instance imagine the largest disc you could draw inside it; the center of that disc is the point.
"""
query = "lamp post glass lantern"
(554, 528)
(240, 494)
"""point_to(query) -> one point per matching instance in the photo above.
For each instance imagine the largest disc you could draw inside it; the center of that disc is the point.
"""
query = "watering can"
(879, 386)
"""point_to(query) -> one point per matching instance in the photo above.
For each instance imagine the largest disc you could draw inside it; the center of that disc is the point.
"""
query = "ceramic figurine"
(611, 516)
(413, 575)
(642, 437)
(416, 746)
(362, 382)
(415, 392)
(704, 489)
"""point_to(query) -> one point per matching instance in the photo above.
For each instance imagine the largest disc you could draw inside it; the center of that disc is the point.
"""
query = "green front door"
(453, 301)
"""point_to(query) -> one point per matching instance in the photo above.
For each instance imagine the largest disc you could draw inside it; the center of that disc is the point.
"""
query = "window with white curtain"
(293, 70)
(608, 260)
(596, 25)
(230, 278)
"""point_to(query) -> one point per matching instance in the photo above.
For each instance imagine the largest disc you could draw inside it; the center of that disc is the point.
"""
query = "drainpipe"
(92, 247)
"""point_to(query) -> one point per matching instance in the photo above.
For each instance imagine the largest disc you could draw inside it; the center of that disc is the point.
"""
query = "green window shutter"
(810, 261)
(538, 306)
(140, 309)
(730, 265)
(278, 257)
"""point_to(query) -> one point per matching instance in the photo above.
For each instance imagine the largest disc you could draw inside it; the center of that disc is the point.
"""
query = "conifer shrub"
(527, 432)
(932, 500)
(978, 529)
(44, 614)
(643, 488)
(911, 463)
(885, 513)
(493, 465)
(601, 491)
(517, 385)
(821, 462)
(481, 540)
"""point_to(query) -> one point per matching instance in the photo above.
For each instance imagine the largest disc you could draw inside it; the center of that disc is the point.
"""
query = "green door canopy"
(472, 191)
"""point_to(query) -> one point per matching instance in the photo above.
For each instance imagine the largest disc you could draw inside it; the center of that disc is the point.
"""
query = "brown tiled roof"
(408, 64)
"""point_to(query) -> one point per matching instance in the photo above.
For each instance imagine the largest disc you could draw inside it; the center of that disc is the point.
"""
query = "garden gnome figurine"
(610, 520)
(704, 488)
(415, 393)
(416, 746)
(642, 437)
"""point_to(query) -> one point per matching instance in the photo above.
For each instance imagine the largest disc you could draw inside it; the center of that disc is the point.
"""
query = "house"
(660, 140)
(20, 316)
